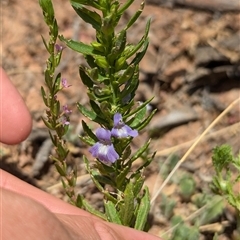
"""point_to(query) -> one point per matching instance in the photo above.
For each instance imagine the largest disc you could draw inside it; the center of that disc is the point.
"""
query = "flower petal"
(103, 134)
(120, 129)
(117, 118)
(104, 152)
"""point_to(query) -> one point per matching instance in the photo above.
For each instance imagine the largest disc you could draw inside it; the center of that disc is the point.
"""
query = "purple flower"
(58, 47)
(65, 121)
(66, 110)
(65, 83)
(120, 129)
(104, 149)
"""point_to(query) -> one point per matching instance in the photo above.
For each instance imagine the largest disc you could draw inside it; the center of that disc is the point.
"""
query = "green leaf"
(146, 121)
(119, 45)
(222, 156)
(124, 7)
(55, 29)
(127, 74)
(143, 105)
(56, 108)
(45, 44)
(57, 84)
(88, 131)
(135, 17)
(127, 208)
(78, 46)
(88, 16)
(139, 116)
(48, 79)
(48, 124)
(127, 152)
(139, 56)
(60, 169)
(88, 207)
(143, 210)
(44, 97)
(140, 151)
(62, 152)
(112, 213)
(87, 81)
(128, 53)
(121, 177)
(48, 11)
(86, 139)
(130, 87)
(146, 162)
(92, 3)
(90, 114)
(138, 182)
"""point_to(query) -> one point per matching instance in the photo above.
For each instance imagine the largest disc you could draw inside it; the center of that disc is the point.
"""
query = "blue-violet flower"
(104, 149)
(120, 129)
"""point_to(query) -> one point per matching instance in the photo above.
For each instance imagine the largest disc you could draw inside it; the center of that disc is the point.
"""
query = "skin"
(28, 212)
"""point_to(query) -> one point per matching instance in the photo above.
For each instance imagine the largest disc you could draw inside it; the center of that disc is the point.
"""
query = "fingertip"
(15, 119)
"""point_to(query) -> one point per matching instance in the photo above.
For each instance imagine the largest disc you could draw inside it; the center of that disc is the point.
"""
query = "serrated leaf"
(143, 210)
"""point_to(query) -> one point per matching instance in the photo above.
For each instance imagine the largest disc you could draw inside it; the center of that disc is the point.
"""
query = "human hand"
(29, 213)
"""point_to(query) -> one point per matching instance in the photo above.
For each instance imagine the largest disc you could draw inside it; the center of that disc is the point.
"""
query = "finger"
(15, 119)
(105, 230)
(24, 218)
(9, 182)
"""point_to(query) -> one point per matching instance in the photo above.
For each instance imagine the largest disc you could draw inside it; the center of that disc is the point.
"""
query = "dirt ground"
(192, 67)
